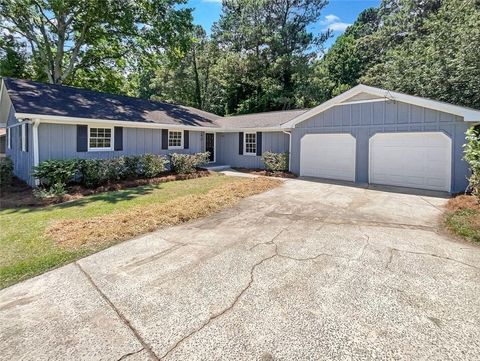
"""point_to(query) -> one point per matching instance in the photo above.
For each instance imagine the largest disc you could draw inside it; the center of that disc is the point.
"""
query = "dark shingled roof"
(49, 99)
(260, 120)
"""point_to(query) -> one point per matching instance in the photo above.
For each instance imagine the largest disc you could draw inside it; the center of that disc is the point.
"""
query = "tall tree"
(13, 58)
(66, 37)
(272, 39)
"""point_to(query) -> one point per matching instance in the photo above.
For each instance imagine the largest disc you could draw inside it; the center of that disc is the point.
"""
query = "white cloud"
(333, 23)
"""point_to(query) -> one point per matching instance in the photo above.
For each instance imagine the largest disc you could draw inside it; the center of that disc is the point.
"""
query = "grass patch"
(463, 217)
(34, 240)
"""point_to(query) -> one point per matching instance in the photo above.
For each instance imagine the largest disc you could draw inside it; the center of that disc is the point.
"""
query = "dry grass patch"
(118, 226)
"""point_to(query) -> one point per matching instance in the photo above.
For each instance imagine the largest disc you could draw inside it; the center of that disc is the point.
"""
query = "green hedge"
(472, 156)
(188, 163)
(6, 171)
(275, 161)
(54, 175)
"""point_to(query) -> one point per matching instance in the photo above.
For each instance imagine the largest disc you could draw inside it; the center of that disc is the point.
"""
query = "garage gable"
(367, 94)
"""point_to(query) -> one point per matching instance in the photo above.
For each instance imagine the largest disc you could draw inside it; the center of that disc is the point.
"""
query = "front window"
(175, 139)
(251, 143)
(100, 139)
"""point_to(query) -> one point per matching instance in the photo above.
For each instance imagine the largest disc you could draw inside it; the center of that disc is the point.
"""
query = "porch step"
(217, 167)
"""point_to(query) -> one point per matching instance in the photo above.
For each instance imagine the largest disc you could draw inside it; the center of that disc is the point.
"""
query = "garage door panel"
(328, 156)
(418, 160)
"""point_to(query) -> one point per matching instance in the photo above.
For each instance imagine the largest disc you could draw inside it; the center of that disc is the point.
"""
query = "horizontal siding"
(366, 119)
(227, 149)
(58, 141)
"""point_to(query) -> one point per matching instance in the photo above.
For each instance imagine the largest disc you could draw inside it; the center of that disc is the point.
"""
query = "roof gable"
(364, 93)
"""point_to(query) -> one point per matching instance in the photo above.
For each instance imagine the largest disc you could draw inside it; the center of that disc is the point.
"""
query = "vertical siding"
(58, 141)
(22, 161)
(365, 120)
(227, 149)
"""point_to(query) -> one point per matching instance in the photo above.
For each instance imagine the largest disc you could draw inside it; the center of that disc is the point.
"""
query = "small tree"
(472, 156)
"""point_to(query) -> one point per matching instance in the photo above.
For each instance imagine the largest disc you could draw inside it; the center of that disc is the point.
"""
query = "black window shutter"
(118, 140)
(164, 138)
(259, 143)
(186, 139)
(26, 136)
(240, 143)
(82, 138)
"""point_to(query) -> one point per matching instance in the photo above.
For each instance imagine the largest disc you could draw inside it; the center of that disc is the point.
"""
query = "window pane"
(100, 138)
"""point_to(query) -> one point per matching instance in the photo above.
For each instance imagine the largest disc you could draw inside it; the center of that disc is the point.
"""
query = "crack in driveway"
(130, 354)
(431, 255)
(120, 315)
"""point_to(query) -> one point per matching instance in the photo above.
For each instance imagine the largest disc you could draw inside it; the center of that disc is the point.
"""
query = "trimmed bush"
(6, 171)
(152, 165)
(93, 173)
(52, 172)
(187, 163)
(472, 156)
(275, 161)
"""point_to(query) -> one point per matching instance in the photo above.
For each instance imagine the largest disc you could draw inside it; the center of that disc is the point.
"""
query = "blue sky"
(336, 15)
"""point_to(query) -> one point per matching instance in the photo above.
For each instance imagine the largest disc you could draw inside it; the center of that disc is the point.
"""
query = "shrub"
(132, 167)
(152, 165)
(52, 172)
(56, 190)
(6, 171)
(114, 169)
(472, 156)
(187, 163)
(275, 161)
(93, 173)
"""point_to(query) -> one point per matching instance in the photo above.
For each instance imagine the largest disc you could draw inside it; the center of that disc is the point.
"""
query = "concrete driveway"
(306, 271)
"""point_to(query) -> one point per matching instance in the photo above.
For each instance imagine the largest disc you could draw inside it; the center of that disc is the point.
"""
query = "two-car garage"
(417, 160)
(369, 135)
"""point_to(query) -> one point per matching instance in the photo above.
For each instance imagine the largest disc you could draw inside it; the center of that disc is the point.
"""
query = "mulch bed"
(19, 194)
(266, 173)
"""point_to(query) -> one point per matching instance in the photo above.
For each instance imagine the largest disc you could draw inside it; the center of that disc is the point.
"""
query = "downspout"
(289, 149)
(36, 155)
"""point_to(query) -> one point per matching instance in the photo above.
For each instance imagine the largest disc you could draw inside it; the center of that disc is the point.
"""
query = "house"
(365, 135)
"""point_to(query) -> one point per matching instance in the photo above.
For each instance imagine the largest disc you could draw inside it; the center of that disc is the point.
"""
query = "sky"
(337, 15)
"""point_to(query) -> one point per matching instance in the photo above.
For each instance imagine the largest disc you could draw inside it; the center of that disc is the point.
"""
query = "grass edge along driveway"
(35, 240)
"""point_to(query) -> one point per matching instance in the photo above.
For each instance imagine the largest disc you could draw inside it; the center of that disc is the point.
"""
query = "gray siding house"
(365, 135)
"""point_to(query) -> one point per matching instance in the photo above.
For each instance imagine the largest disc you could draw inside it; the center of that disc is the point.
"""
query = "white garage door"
(416, 160)
(328, 156)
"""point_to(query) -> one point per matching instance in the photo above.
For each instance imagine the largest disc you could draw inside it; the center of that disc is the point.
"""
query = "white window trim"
(182, 138)
(23, 129)
(108, 149)
(245, 144)
(9, 138)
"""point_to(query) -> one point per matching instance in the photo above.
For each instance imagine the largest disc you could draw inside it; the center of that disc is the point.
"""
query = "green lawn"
(26, 251)
(465, 223)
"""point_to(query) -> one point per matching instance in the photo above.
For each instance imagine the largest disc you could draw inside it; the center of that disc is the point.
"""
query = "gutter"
(289, 148)
(36, 154)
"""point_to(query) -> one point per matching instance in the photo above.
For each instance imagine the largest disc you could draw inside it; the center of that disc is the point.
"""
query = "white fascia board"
(468, 114)
(324, 106)
(55, 119)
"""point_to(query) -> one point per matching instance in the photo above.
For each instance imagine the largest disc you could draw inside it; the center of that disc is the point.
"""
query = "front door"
(210, 145)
